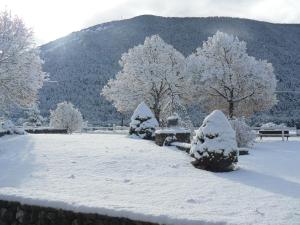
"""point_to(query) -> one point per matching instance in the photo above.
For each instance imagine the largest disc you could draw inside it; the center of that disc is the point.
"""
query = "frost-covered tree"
(33, 117)
(245, 136)
(66, 116)
(143, 122)
(151, 72)
(226, 77)
(21, 73)
(214, 147)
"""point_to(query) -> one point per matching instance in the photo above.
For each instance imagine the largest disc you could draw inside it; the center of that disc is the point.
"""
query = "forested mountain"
(80, 64)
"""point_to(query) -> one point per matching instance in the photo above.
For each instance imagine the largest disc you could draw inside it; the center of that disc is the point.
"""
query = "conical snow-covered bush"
(214, 147)
(143, 122)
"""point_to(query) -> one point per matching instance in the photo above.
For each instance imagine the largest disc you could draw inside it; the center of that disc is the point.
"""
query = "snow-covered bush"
(245, 136)
(8, 126)
(143, 122)
(214, 147)
(66, 116)
(34, 117)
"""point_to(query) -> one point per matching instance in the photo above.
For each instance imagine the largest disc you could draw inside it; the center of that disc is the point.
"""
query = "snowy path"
(119, 176)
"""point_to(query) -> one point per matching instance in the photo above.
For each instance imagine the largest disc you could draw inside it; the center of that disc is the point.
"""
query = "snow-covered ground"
(119, 176)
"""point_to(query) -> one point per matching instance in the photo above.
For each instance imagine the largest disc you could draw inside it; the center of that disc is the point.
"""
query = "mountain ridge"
(83, 61)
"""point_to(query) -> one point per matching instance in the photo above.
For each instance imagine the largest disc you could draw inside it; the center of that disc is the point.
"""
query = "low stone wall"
(180, 137)
(14, 213)
(2, 133)
(45, 131)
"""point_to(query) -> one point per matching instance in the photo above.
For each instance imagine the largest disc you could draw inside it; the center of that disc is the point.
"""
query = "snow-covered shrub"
(34, 117)
(214, 147)
(143, 122)
(66, 116)
(8, 126)
(245, 136)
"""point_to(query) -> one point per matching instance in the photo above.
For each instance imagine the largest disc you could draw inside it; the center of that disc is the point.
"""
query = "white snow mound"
(217, 135)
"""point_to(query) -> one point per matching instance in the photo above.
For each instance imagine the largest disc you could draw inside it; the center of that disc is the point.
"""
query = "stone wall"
(14, 213)
(46, 131)
(180, 137)
(2, 133)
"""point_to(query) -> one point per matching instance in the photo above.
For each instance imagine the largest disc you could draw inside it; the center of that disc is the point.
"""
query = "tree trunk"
(156, 108)
(122, 121)
(230, 109)
(157, 114)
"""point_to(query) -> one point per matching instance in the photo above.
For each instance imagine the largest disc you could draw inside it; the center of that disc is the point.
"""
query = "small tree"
(65, 116)
(143, 122)
(151, 72)
(245, 136)
(214, 147)
(21, 73)
(226, 77)
(34, 117)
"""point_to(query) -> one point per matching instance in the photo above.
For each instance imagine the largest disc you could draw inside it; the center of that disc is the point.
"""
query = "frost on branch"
(66, 116)
(143, 122)
(214, 147)
(245, 136)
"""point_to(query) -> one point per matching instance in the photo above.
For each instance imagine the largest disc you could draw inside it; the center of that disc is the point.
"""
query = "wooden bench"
(274, 133)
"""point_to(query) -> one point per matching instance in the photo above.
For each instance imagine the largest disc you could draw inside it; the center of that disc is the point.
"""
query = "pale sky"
(51, 19)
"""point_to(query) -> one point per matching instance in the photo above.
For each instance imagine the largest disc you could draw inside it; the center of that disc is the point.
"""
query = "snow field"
(120, 176)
